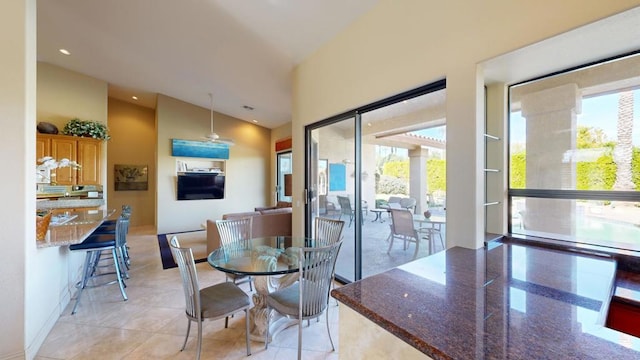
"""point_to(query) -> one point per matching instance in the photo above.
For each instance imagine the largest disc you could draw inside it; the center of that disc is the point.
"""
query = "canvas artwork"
(131, 177)
(337, 177)
(200, 149)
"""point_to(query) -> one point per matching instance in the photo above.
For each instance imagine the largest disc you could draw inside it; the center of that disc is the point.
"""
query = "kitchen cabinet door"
(64, 147)
(89, 156)
(43, 147)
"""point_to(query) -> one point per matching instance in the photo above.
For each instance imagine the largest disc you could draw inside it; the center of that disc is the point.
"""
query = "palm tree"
(623, 150)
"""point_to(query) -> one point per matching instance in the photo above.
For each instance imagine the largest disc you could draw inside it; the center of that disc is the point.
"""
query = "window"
(574, 162)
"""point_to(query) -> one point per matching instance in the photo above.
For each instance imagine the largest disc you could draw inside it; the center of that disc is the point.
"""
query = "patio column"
(418, 177)
(551, 131)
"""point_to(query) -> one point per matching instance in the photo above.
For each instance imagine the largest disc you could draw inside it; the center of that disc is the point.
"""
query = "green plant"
(77, 127)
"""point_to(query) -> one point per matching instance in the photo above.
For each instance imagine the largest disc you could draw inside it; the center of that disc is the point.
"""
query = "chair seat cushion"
(222, 299)
(286, 301)
(93, 242)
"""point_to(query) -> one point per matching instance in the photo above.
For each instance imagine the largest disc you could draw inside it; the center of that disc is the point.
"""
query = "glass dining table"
(273, 263)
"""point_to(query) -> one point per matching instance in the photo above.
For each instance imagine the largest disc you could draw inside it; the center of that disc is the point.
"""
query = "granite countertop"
(506, 301)
(69, 203)
(74, 231)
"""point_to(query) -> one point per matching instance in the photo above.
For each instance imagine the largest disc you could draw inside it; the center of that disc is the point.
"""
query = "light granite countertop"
(70, 203)
(75, 230)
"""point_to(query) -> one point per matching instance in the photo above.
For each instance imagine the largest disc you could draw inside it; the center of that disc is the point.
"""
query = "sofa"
(266, 222)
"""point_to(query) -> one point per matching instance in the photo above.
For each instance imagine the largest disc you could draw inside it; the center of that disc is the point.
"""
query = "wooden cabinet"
(86, 151)
(89, 151)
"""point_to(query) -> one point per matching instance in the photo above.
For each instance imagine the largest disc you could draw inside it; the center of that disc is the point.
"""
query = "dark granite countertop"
(508, 301)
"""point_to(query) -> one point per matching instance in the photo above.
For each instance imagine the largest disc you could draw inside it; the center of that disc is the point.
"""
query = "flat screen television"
(200, 186)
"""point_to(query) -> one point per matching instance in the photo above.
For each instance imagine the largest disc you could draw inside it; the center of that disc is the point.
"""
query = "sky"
(599, 112)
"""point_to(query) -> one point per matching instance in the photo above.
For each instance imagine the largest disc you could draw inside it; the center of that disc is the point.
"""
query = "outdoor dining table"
(273, 262)
(432, 222)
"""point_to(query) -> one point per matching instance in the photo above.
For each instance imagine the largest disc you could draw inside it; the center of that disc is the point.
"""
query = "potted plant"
(83, 128)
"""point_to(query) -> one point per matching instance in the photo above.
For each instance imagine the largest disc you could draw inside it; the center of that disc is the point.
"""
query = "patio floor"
(374, 248)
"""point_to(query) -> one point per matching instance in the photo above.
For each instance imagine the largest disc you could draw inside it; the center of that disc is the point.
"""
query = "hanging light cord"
(211, 102)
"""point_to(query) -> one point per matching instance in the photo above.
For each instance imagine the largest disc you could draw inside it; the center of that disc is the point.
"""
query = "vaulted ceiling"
(243, 52)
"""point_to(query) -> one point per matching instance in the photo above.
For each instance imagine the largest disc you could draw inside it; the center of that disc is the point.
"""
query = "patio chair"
(402, 228)
(213, 302)
(308, 298)
(235, 235)
(346, 209)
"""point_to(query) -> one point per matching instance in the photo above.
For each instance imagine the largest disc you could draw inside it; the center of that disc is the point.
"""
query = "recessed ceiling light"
(255, 121)
(368, 124)
(134, 97)
(65, 51)
(247, 107)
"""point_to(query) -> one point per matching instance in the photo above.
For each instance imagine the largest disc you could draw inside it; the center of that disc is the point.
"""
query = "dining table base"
(259, 315)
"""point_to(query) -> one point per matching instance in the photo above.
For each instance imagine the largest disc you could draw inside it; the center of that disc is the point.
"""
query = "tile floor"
(152, 324)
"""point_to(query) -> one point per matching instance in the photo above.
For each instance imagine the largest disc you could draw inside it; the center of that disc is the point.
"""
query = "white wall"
(247, 170)
(17, 142)
(400, 45)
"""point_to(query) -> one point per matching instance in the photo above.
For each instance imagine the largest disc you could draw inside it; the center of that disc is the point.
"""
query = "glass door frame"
(310, 193)
(280, 177)
(356, 115)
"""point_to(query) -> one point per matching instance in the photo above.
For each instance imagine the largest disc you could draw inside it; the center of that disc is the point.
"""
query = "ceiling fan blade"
(226, 142)
(212, 136)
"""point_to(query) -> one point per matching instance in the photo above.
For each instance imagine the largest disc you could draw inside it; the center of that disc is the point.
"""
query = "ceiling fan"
(213, 136)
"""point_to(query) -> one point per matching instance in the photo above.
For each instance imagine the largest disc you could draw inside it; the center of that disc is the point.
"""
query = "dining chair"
(308, 298)
(402, 228)
(235, 235)
(213, 302)
(94, 245)
(327, 231)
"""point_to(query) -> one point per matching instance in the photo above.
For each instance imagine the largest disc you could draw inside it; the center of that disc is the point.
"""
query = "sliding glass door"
(332, 187)
(388, 154)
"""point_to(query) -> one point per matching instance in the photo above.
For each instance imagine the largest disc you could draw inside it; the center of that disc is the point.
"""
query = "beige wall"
(247, 170)
(17, 152)
(398, 46)
(133, 142)
(64, 95)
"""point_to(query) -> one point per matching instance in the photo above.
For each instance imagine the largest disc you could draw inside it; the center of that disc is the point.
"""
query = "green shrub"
(392, 185)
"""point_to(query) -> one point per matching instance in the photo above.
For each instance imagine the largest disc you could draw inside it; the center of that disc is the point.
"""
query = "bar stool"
(108, 227)
(94, 245)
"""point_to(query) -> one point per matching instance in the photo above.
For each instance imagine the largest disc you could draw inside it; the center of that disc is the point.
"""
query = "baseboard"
(32, 349)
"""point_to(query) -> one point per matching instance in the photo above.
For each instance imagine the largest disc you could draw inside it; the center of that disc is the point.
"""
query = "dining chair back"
(213, 302)
(234, 236)
(308, 298)
(327, 231)
(402, 227)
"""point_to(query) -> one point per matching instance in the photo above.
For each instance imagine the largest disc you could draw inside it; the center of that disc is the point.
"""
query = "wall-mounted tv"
(195, 186)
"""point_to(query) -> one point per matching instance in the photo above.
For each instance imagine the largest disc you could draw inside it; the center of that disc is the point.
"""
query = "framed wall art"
(131, 177)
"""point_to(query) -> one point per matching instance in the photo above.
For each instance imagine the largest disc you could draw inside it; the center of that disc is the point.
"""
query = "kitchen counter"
(505, 301)
(69, 203)
(74, 231)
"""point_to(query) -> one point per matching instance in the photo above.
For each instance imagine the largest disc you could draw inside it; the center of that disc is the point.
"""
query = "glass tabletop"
(270, 255)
